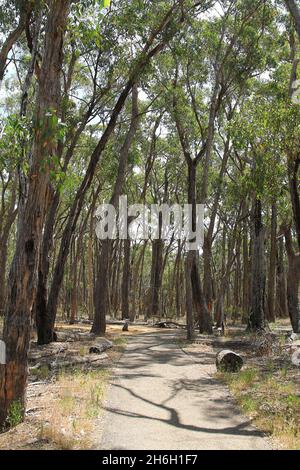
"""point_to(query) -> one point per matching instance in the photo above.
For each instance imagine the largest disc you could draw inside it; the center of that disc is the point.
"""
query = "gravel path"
(161, 399)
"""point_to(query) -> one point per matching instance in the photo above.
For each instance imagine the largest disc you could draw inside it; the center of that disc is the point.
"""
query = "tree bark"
(23, 272)
(257, 311)
(101, 305)
(295, 12)
(281, 284)
(293, 169)
(126, 281)
(25, 13)
(293, 281)
(272, 266)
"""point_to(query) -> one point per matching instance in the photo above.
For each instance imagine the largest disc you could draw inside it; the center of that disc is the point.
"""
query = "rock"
(296, 358)
(125, 327)
(100, 346)
(40, 368)
(291, 336)
(229, 361)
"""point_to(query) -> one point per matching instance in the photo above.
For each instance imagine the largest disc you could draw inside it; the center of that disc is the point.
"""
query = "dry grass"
(78, 404)
(63, 409)
(272, 401)
(267, 389)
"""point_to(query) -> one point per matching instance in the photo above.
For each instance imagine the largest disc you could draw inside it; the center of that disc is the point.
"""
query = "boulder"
(296, 357)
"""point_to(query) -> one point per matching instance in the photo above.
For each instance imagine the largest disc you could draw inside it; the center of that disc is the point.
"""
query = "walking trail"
(161, 398)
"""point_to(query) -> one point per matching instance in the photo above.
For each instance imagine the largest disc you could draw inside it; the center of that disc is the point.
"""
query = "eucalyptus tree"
(17, 16)
(294, 10)
(207, 83)
(17, 324)
(157, 26)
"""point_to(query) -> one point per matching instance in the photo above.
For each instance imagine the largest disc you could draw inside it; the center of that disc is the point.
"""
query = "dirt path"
(161, 399)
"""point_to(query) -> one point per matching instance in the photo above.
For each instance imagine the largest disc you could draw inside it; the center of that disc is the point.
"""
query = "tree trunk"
(102, 289)
(272, 266)
(208, 239)
(245, 272)
(189, 296)
(156, 278)
(293, 280)
(208, 279)
(295, 12)
(293, 169)
(91, 267)
(204, 317)
(257, 313)
(43, 319)
(281, 285)
(23, 272)
(101, 307)
(126, 282)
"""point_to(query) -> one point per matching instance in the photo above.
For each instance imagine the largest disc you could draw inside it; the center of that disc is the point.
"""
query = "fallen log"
(74, 336)
(168, 324)
(229, 361)
(93, 361)
(102, 345)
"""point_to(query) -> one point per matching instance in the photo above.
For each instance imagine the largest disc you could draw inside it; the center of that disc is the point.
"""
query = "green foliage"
(15, 414)
(15, 142)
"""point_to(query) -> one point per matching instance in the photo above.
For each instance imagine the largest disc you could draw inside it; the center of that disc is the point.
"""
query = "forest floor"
(163, 393)
(64, 404)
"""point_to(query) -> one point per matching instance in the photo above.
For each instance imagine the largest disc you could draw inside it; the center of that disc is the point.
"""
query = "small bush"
(15, 414)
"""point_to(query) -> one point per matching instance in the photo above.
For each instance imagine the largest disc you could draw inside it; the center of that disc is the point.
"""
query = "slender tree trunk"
(246, 271)
(5, 230)
(101, 307)
(26, 8)
(257, 312)
(272, 266)
(295, 12)
(204, 317)
(189, 296)
(293, 282)
(208, 239)
(281, 285)
(126, 281)
(91, 267)
(74, 284)
(294, 181)
(102, 289)
(156, 278)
